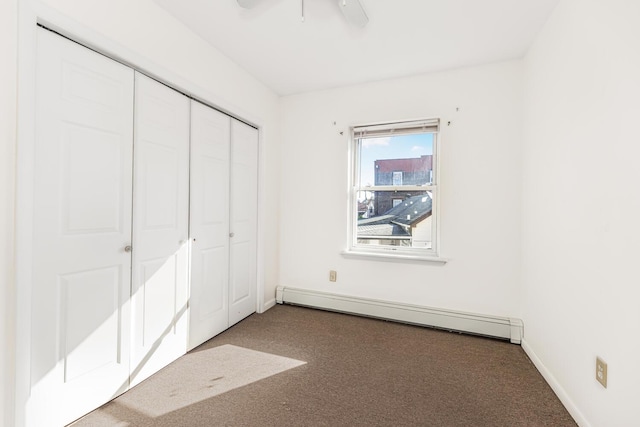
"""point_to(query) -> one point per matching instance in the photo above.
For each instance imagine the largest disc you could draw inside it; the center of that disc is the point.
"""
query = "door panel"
(209, 308)
(244, 203)
(160, 168)
(160, 218)
(81, 223)
(91, 164)
(158, 277)
(214, 279)
(89, 320)
(241, 267)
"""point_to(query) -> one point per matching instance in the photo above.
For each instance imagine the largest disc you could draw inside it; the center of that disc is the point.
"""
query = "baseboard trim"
(477, 324)
(555, 386)
(268, 304)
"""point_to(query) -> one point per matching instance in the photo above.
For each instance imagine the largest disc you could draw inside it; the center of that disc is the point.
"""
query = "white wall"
(581, 207)
(8, 93)
(480, 189)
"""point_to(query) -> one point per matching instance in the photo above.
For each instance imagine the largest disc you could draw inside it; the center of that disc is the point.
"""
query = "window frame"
(393, 252)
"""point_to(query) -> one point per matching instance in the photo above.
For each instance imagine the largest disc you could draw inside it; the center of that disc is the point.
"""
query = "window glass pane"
(393, 218)
(365, 202)
(396, 160)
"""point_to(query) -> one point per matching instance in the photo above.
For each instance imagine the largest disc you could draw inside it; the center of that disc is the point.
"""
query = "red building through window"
(411, 171)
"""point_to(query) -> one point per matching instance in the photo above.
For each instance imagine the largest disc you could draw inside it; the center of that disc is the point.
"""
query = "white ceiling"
(403, 37)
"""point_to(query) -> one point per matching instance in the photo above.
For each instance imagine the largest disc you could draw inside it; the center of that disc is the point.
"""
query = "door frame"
(32, 13)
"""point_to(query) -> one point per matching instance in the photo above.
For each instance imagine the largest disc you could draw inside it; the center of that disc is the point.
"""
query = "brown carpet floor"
(358, 372)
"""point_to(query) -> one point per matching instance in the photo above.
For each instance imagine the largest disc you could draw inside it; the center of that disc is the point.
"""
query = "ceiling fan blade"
(354, 12)
(248, 4)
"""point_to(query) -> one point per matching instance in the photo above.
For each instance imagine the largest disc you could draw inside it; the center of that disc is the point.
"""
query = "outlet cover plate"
(601, 372)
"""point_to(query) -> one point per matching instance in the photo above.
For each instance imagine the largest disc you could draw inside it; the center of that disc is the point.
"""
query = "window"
(395, 174)
(397, 178)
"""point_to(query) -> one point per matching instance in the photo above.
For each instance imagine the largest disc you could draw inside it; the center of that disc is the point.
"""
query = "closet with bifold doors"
(143, 228)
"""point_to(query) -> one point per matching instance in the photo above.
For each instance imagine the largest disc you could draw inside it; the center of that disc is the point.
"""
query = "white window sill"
(391, 256)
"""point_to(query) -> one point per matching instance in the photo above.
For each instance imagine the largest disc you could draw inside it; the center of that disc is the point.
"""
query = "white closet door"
(81, 225)
(160, 224)
(209, 306)
(244, 218)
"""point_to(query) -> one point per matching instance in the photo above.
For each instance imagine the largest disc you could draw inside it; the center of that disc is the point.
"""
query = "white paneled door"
(160, 279)
(81, 225)
(244, 219)
(209, 226)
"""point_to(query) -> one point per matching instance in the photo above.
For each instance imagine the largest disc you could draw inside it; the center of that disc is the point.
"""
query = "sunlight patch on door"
(203, 374)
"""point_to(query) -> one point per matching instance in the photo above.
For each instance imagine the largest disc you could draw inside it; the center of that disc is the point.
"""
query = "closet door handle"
(128, 248)
(232, 234)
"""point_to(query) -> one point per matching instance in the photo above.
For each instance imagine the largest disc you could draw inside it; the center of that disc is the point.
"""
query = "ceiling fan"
(352, 10)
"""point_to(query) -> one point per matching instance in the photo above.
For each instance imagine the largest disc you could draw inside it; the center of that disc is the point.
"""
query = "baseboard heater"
(477, 324)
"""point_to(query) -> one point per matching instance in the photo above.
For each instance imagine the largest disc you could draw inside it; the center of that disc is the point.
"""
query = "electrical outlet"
(601, 372)
(333, 276)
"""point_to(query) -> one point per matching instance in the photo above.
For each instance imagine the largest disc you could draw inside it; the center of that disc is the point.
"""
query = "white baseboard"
(268, 304)
(555, 386)
(478, 324)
